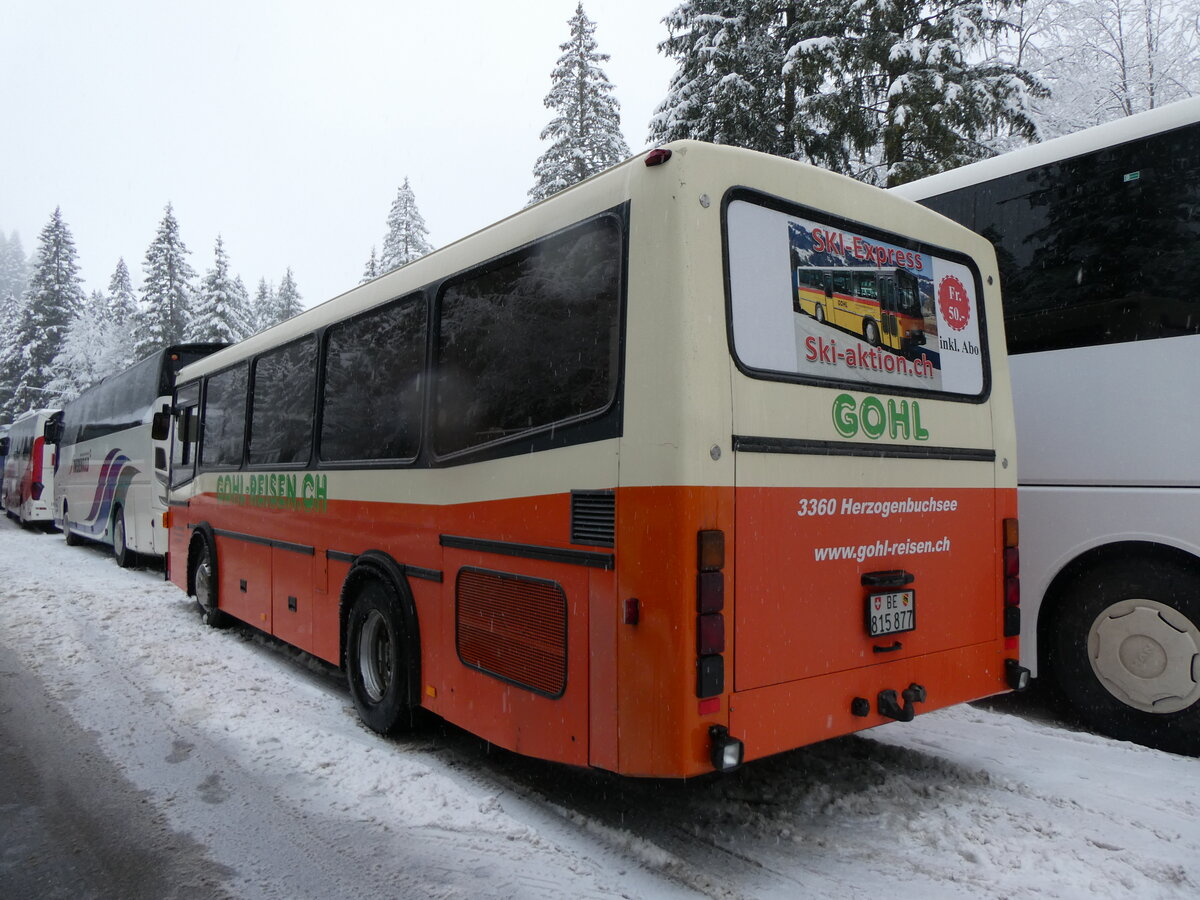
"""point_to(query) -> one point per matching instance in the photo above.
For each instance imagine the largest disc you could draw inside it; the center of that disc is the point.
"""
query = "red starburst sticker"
(954, 303)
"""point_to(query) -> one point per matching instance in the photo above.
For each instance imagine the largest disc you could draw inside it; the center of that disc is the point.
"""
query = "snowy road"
(253, 753)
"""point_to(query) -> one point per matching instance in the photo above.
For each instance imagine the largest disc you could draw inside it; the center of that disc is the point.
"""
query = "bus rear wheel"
(1125, 652)
(121, 552)
(377, 663)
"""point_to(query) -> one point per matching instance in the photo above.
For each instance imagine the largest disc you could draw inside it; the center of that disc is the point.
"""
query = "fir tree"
(407, 237)
(219, 311)
(371, 269)
(241, 301)
(122, 312)
(586, 129)
(286, 301)
(883, 90)
(54, 297)
(14, 280)
(263, 307)
(167, 292)
(91, 350)
(14, 267)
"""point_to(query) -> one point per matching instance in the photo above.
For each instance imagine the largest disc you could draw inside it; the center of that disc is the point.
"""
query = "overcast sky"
(287, 127)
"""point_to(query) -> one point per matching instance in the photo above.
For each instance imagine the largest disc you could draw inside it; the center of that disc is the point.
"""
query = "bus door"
(887, 311)
(857, 551)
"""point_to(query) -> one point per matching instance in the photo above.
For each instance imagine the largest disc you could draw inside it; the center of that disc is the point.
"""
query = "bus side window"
(281, 412)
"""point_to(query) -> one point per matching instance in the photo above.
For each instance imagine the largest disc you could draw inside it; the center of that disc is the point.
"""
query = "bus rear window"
(814, 300)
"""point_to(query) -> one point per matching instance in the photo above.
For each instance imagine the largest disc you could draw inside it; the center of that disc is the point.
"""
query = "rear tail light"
(710, 623)
(35, 490)
(711, 633)
(1012, 579)
(711, 550)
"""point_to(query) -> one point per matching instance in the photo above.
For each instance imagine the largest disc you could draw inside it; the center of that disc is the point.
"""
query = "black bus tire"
(376, 657)
(1123, 649)
(871, 332)
(204, 582)
(121, 552)
(69, 536)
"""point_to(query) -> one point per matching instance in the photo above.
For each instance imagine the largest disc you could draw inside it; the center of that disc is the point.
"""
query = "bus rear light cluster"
(1012, 579)
(710, 622)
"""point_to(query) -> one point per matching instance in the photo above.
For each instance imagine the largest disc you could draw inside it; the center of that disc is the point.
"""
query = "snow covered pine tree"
(54, 297)
(407, 237)
(586, 132)
(165, 313)
(883, 90)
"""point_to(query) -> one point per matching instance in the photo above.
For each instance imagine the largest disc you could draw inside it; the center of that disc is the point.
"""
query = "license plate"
(891, 613)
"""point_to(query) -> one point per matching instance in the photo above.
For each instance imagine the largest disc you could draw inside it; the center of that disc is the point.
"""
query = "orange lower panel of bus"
(580, 682)
(781, 717)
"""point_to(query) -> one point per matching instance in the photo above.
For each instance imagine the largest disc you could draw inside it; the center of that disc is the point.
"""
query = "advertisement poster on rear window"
(821, 301)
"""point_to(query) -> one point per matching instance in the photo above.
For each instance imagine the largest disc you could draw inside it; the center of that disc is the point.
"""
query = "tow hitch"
(888, 705)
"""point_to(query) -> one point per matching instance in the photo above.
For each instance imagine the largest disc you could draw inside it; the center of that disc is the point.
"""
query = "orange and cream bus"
(585, 484)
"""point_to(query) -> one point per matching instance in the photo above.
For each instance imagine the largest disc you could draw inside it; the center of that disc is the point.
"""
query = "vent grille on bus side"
(593, 518)
(514, 628)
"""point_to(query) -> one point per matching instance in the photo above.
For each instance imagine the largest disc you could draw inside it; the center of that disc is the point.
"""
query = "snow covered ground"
(255, 751)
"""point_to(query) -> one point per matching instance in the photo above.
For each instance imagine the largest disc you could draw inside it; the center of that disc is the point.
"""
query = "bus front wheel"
(1125, 652)
(121, 552)
(377, 663)
(871, 332)
(204, 582)
(819, 314)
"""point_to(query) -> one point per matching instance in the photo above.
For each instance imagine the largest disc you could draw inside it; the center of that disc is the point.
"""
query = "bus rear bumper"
(781, 717)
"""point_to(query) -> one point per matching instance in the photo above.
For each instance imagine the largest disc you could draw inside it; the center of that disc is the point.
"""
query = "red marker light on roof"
(658, 157)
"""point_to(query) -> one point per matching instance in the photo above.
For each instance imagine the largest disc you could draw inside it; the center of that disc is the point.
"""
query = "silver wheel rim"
(203, 579)
(119, 536)
(375, 656)
(1147, 655)
(820, 313)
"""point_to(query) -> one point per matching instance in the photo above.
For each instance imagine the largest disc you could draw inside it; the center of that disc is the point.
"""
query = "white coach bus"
(29, 468)
(111, 479)
(1098, 240)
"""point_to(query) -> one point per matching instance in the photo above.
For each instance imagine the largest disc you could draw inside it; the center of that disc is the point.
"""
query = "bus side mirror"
(160, 426)
(53, 431)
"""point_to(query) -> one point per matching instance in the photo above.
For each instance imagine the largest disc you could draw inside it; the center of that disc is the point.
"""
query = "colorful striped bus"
(29, 468)
(586, 484)
(110, 481)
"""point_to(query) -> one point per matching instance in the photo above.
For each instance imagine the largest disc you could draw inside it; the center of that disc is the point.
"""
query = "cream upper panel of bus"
(685, 398)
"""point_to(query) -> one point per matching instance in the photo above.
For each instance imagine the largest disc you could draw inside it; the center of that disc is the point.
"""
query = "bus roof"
(1118, 131)
(592, 196)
